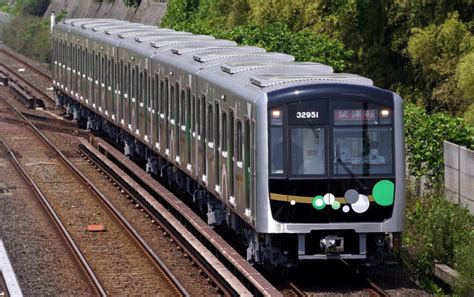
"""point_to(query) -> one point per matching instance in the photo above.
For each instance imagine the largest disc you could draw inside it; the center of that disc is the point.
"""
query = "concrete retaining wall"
(459, 174)
(149, 12)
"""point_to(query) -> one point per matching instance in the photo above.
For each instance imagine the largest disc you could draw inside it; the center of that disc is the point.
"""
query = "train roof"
(220, 61)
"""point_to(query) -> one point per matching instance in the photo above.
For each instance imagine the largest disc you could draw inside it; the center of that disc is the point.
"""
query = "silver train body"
(302, 162)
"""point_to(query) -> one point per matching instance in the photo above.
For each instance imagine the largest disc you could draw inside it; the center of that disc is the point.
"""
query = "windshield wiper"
(362, 186)
(313, 129)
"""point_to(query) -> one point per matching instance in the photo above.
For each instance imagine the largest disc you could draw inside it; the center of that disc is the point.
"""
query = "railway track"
(119, 257)
(334, 279)
(31, 83)
(62, 230)
(22, 60)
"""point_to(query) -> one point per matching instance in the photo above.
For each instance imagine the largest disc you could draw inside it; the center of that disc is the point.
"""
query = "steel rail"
(6, 51)
(135, 235)
(377, 289)
(248, 278)
(371, 285)
(64, 232)
(173, 232)
(17, 77)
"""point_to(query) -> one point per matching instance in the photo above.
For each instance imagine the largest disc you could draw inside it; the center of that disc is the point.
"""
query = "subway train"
(301, 162)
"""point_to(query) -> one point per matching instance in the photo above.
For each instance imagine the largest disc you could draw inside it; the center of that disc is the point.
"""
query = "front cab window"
(362, 139)
(307, 151)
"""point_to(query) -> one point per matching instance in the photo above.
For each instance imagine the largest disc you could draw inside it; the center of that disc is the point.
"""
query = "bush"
(438, 230)
(30, 36)
(304, 45)
(218, 18)
(132, 3)
(424, 135)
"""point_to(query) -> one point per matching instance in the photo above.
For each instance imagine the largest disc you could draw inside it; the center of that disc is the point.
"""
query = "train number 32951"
(307, 115)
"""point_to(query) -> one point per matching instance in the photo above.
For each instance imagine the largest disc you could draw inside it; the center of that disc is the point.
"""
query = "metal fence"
(459, 174)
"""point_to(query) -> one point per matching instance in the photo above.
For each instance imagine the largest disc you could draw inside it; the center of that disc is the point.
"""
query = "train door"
(217, 148)
(222, 153)
(68, 67)
(174, 139)
(126, 96)
(162, 118)
(170, 120)
(80, 66)
(155, 117)
(108, 88)
(99, 82)
(182, 128)
(76, 70)
(202, 139)
(230, 156)
(239, 186)
(147, 108)
(73, 70)
(188, 128)
(120, 91)
(141, 91)
(103, 84)
(247, 164)
(133, 99)
(95, 82)
(165, 116)
(111, 88)
(209, 148)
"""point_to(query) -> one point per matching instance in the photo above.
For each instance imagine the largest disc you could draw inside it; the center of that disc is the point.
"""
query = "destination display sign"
(341, 115)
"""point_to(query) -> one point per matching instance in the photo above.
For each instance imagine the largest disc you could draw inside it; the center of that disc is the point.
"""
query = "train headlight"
(277, 116)
(385, 113)
(276, 113)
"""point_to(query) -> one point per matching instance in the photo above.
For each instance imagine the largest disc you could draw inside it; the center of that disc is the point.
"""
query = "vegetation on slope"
(27, 32)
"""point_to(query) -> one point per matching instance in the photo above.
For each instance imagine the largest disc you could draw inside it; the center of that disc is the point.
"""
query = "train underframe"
(278, 250)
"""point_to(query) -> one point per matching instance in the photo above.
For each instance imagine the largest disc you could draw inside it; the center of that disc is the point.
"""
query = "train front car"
(336, 170)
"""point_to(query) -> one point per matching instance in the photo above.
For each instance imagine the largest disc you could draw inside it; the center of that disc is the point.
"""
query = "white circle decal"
(319, 202)
(361, 205)
(329, 198)
(345, 208)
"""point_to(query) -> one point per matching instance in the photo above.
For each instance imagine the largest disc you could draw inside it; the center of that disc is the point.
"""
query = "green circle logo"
(336, 205)
(318, 202)
(383, 192)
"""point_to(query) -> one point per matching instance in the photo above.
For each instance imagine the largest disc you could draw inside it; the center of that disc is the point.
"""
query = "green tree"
(465, 73)
(437, 49)
(32, 7)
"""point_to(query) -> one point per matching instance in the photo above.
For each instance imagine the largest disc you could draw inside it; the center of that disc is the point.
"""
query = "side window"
(126, 80)
(166, 99)
(203, 117)
(224, 132)
(193, 114)
(162, 96)
(114, 75)
(96, 67)
(239, 142)
(210, 124)
(134, 83)
(171, 103)
(216, 127)
(183, 109)
(141, 90)
(198, 116)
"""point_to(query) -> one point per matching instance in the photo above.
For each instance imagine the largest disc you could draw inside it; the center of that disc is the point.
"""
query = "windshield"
(307, 151)
(364, 151)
